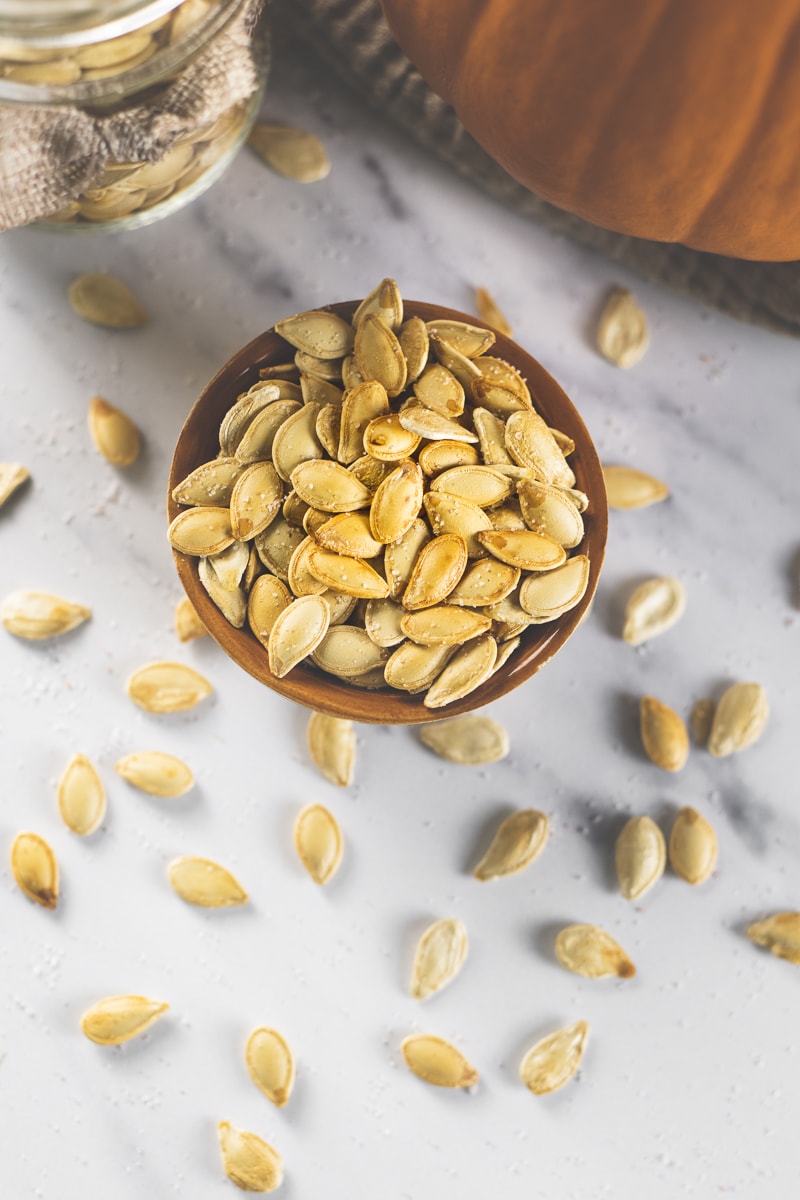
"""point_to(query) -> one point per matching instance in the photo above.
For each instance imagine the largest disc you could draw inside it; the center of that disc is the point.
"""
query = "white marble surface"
(691, 1084)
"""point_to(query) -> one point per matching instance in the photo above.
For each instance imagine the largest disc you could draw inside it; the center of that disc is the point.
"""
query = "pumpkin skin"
(676, 120)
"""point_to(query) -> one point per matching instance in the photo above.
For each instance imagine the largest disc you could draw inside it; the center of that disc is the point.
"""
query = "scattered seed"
(38, 615)
(167, 687)
(700, 721)
(104, 300)
(81, 796)
(692, 846)
(318, 842)
(622, 334)
(471, 741)
(12, 476)
(739, 719)
(780, 934)
(205, 883)
(35, 869)
(332, 745)
(518, 841)
(156, 773)
(628, 488)
(249, 1162)
(554, 1060)
(117, 1019)
(271, 1065)
(438, 1062)
(113, 433)
(293, 153)
(652, 609)
(187, 623)
(490, 313)
(441, 953)
(640, 856)
(664, 735)
(588, 950)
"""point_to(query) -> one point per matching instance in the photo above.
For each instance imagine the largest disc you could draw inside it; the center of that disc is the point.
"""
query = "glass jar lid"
(76, 22)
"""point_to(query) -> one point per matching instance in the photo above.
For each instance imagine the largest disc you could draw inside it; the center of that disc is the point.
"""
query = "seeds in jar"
(399, 491)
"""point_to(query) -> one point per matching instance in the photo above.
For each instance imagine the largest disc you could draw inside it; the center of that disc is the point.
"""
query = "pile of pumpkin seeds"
(387, 504)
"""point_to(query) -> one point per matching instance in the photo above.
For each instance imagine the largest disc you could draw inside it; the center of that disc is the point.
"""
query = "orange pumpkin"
(677, 120)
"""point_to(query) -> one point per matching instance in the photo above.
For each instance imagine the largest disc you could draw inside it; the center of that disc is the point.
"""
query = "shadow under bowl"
(198, 442)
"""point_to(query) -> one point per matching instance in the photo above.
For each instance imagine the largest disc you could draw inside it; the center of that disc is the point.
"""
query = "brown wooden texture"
(199, 442)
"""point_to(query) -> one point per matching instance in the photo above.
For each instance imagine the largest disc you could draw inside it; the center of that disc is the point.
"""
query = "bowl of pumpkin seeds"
(387, 511)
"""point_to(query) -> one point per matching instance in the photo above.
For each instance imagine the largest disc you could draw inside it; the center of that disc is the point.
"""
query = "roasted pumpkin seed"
(156, 773)
(267, 600)
(353, 576)
(622, 334)
(588, 950)
(361, 406)
(467, 670)
(113, 433)
(117, 1019)
(640, 857)
(414, 342)
(436, 1061)
(322, 334)
(201, 531)
(188, 625)
(664, 735)
(652, 609)
(440, 456)
(518, 841)
(271, 1064)
(780, 934)
(249, 1162)
(692, 846)
(386, 301)
(348, 650)
(167, 687)
(38, 615)
(739, 719)
(104, 300)
(436, 570)
(547, 597)
(297, 631)
(396, 504)
(256, 500)
(329, 486)
(378, 354)
(628, 488)
(438, 389)
(441, 953)
(469, 340)
(332, 745)
(490, 313)
(522, 548)
(470, 741)
(210, 484)
(231, 602)
(35, 869)
(81, 796)
(205, 883)
(431, 425)
(485, 582)
(554, 1060)
(444, 625)
(318, 842)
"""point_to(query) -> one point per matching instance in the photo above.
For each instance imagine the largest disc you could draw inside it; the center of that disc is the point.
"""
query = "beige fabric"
(353, 37)
(48, 156)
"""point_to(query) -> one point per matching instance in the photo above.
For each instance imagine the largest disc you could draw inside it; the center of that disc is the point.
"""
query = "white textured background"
(690, 1086)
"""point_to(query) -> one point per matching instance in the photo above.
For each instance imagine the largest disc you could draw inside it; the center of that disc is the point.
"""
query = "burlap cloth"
(49, 155)
(353, 36)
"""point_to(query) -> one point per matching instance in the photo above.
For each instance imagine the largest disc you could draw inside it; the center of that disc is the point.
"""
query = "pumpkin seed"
(628, 488)
(438, 389)
(297, 632)
(433, 426)
(329, 486)
(739, 719)
(35, 869)
(478, 485)
(81, 796)
(490, 313)
(508, 611)
(167, 687)
(510, 643)
(692, 846)
(256, 500)
(349, 534)
(277, 545)
(113, 433)
(156, 773)
(700, 721)
(554, 1060)
(640, 857)
(414, 342)
(117, 1019)
(205, 883)
(780, 934)
(258, 438)
(401, 556)
(385, 439)
(210, 484)
(518, 841)
(468, 669)
(329, 428)
(352, 576)
(443, 625)
(469, 340)
(546, 597)
(436, 570)
(293, 153)
(382, 622)
(249, 1162)
(397, 502)
(498, 398)
(201, 531)
(187, 623)
(461, 367)
(497, 370)
(441, 953)
(378, 354)
(530, 443)
(486, 582)
(351, 376)
(300, 579)
(12, 476)
(549, 511)
(291, 370)
(622, 334)
(361, 405)
(413, 668)
(652, 609)
(436, 1061)
(240, 415)
(104, 300)
(38, 615)
(508, 517)
(296, 441)
(230, 565)
(440, 456)
(370, 471)
(252, 570)
(523, 548)
(341, 605)
(588, 950)
(267, 600)
(62, 71)
(348, 650)
(332, 745)
(271, 1065)
(329, 369)
(386, 301)
(451, 515)
(470, 741)
(664, 735)
(322, 334)
(318, 842)
(231, 602)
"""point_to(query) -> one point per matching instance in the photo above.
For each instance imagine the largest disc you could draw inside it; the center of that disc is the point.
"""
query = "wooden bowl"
(199, 441)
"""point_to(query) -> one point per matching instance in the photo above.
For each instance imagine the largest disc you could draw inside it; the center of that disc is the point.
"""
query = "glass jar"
(146, 102)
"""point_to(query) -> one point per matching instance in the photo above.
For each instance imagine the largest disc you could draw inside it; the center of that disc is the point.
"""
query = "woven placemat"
(353, 37)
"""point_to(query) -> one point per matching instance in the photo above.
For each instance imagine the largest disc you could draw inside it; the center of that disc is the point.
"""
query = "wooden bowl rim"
(307, 685)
